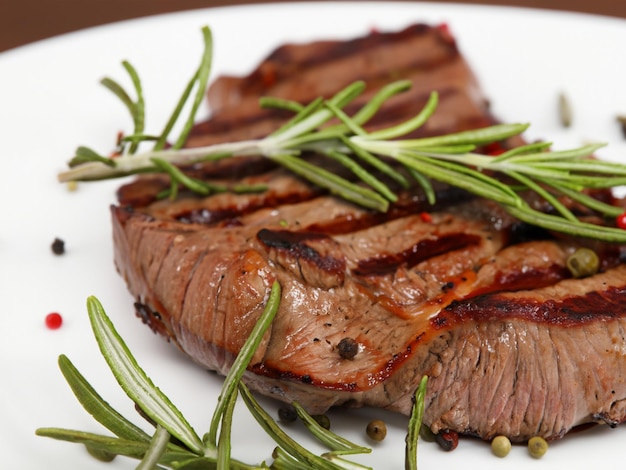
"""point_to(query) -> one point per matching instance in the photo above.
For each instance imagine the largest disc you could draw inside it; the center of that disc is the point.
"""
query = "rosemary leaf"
(536, 147)
(594, 168)
(139, 138)
(332, 182)
(545, 194)
(117, 89)
(178, 109)
(331, 440)
(343, 462)
(370, 109)
(102, 444)
(559, 224)
(135, 382)
(317, 118)
(340, 114)
(571, 154)
(581, 181)
(189, 461)
(415, 423)
(475, 137)
(377, 163)
(362, 174)
(410, 125)
(588, 201)
(199, 78)
(86, 155)
(424, 183)
(348, 94)
(243, 188)
(302, 114)
(531, 170)
(279, 103)
(285, 461)
(204, 71)
(465, 178)
(97, 407)
(135, 108)
(139, 109)
(178, 177)
(451, 152)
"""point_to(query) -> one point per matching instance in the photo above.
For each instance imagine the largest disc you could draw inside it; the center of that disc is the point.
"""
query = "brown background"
(25, 21)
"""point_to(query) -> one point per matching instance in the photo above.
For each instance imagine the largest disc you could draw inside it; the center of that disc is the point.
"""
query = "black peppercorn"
(348, 348)
(287, 414)
(58, 246)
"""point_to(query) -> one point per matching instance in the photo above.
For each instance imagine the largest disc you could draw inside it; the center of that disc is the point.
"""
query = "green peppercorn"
(537, 447)
(426, 434)
(501, 446)
(322, 420)
(376, 430)
(583, 262)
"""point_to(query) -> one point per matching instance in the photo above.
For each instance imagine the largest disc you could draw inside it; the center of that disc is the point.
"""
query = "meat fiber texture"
(470, 297)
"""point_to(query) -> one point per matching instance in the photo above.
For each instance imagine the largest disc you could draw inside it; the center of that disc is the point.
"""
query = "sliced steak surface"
(466, 294)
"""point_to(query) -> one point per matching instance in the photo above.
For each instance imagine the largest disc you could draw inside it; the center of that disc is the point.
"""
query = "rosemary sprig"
(131, 441)
(324, 127)
(213, 451)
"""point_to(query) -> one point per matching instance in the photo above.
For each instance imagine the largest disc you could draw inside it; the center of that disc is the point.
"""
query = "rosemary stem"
(158, 445)
(138, 163)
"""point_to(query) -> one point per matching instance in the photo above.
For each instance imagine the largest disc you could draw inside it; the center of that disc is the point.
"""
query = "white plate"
(50, 102)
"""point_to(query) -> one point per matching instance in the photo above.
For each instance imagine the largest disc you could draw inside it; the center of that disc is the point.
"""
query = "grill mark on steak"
(291, 251)
(490, 313)
(547, 305)
(417, 253)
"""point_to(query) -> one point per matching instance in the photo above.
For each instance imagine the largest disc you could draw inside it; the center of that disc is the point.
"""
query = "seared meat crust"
(511, 343)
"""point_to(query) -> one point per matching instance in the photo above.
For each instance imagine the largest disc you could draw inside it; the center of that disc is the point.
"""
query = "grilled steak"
(482, 304)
